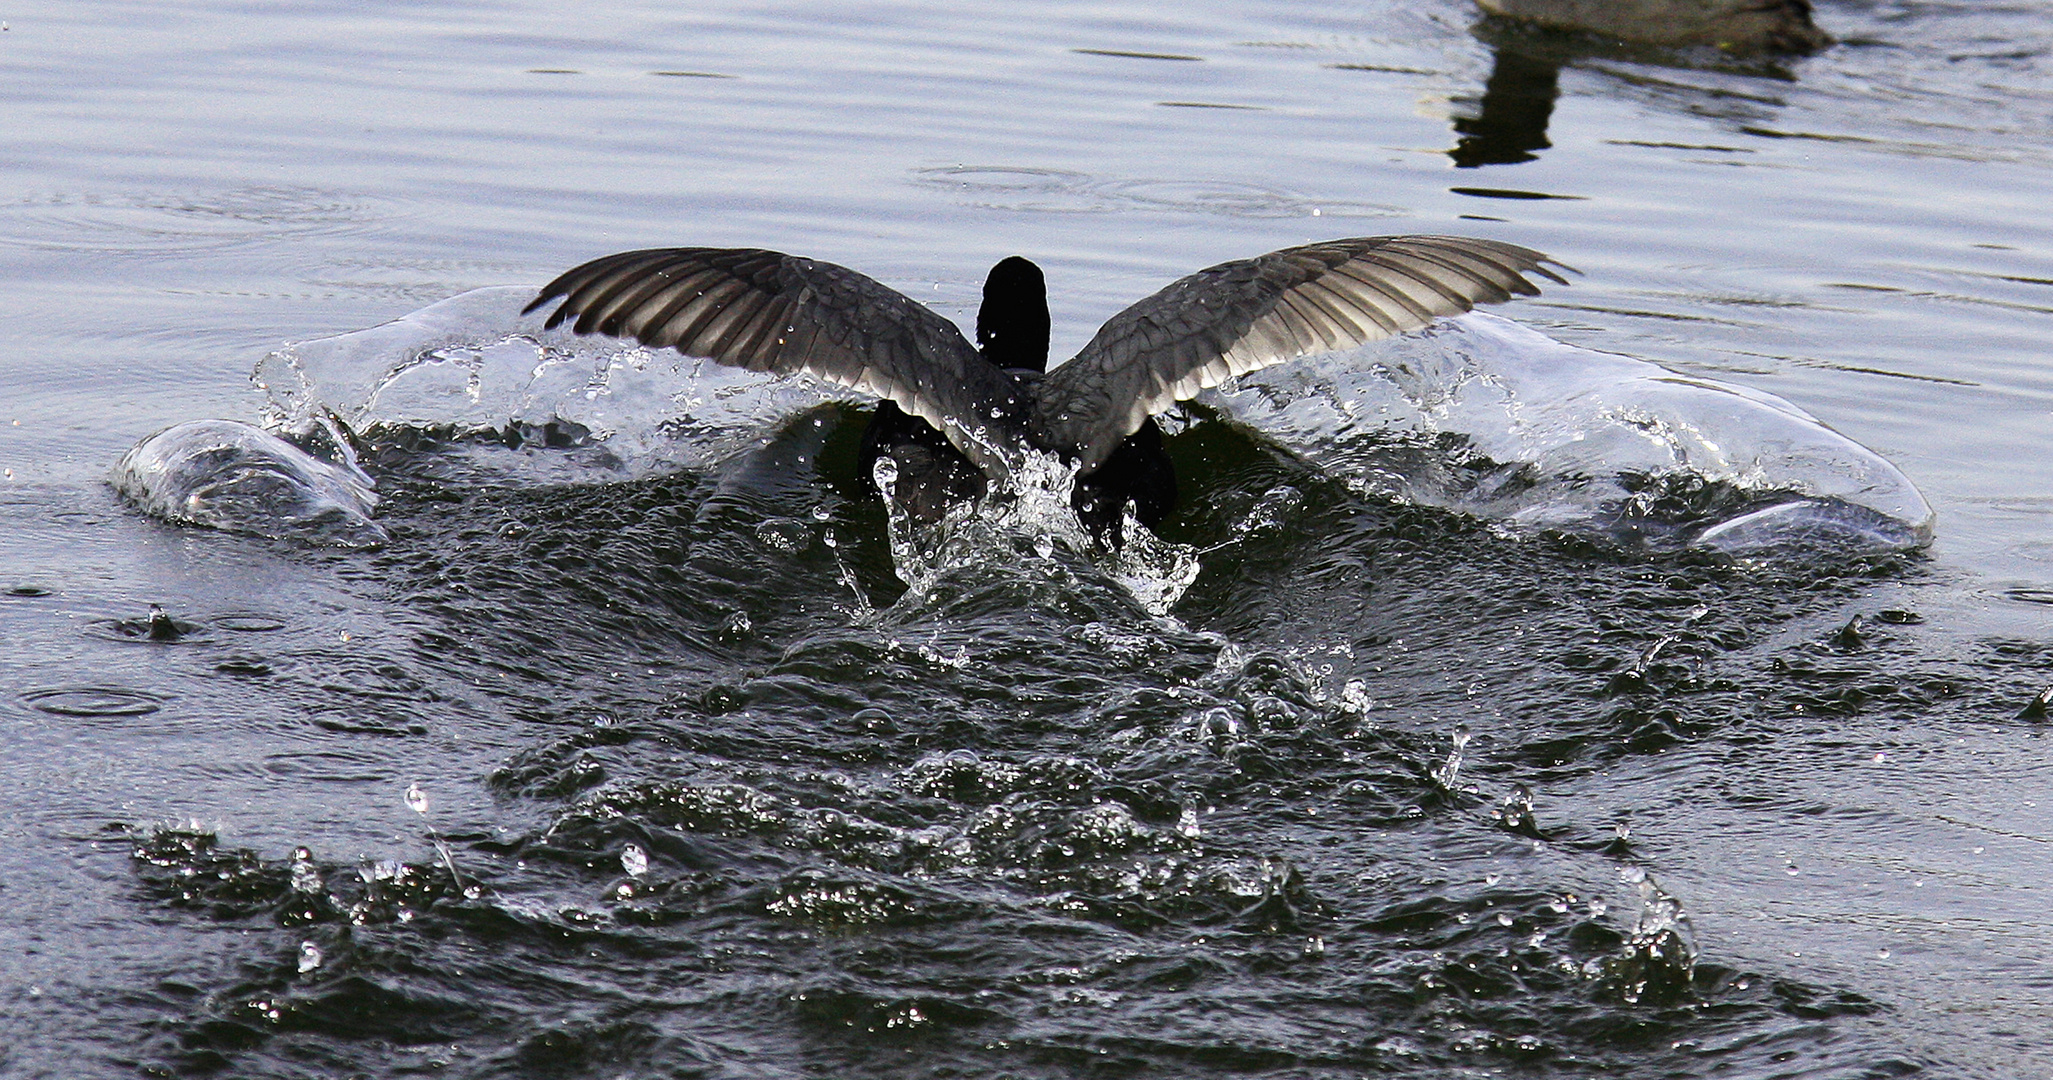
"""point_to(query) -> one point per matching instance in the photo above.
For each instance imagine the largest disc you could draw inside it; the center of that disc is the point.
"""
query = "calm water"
(636, 778)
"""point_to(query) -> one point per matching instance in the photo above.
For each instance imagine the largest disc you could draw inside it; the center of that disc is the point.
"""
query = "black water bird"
(1736, 26)
(955, 416)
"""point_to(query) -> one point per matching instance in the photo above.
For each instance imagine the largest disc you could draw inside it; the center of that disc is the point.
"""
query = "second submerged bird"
(955, 416)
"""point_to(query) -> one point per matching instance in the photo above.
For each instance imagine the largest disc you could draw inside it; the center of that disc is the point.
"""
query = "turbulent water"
(1651, 685)
(780, 816)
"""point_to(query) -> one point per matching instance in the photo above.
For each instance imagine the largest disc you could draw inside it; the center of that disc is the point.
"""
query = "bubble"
(634, 860)
(416, 799)
(309, 956)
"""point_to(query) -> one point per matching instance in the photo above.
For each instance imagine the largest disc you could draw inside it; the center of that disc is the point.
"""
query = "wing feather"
(768, 311)
(1249, 314)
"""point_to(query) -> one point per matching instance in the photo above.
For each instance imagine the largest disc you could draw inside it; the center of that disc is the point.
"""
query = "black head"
(1012, 326)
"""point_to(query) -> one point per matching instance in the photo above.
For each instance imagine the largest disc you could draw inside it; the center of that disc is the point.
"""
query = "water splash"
(305, 877)
(458, 370)
(1447, 775)
(417, 801)
(1484, 416)
(1025, 522)
(1658, 961)
(227, 475)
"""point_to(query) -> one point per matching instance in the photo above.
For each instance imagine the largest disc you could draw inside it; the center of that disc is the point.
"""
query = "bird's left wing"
(768, 311)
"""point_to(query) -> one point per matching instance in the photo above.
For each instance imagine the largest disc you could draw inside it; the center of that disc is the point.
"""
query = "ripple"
(249, 623)
(997, 187)
(157, 629)
(93, 701)
(328, 767)
(1124, 54)
(162, 224)
(1509, 193)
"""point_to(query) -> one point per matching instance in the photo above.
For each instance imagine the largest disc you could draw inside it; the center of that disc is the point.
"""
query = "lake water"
(580, 776)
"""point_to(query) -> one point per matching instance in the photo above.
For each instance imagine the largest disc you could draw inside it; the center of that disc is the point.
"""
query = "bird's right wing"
(1248, 314)
(767, 311)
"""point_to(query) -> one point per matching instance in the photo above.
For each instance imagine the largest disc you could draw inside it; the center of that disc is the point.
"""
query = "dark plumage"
(954, 414)
(1737, 26)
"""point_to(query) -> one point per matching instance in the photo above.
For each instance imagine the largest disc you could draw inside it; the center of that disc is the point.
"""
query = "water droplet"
(1492, 879)
(634, 860)
(821, 513)
(306, 877)
(162, 628)
(1044, 546)
(1881, 954)
(1187, 822)
(416, 799)
(309, 956)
